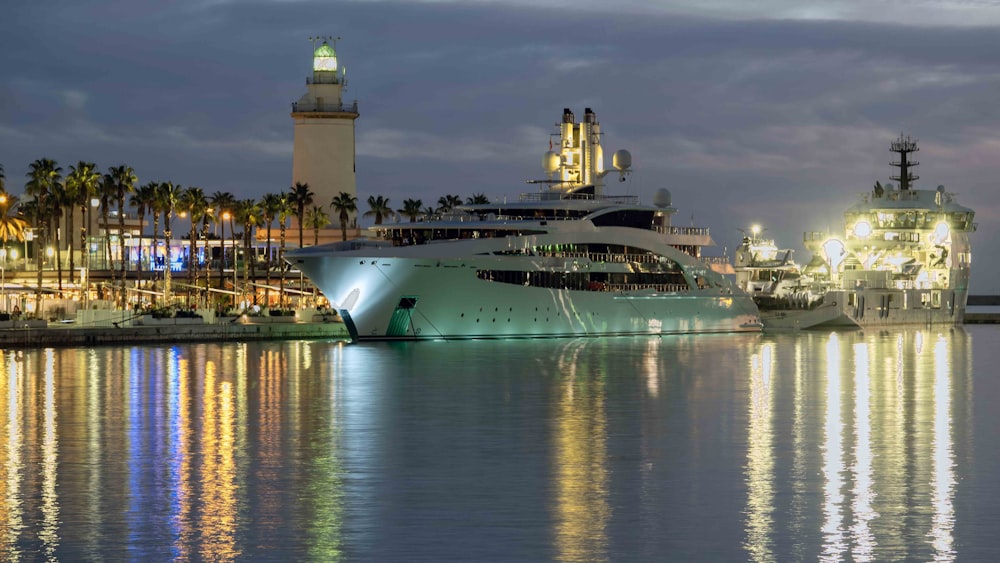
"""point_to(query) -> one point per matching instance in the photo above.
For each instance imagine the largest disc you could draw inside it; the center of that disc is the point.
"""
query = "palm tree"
(207, 217)
(12, 223)
(379, 207)
(156, 207)
(448, 202)
(124, 181)
(429, 212)
(168, 196)
(270, 204)
(344, 204)
(81, 183)
(44, 174)
(411, 209)
(301, 198)
(248, 214)
(195, 205)
(316, 219)
(12, 227)
(59, 200)
(143, 200)
(223, 202)
(284, 212)
(477, 199)
(106, 192)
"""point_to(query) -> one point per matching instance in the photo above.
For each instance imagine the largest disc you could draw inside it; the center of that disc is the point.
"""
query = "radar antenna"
(904, 146)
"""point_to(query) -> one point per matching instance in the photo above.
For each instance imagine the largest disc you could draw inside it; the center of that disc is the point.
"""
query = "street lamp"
(222, 277)
(3, 278)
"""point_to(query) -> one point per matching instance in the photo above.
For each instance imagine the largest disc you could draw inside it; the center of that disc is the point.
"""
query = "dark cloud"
(745, 120)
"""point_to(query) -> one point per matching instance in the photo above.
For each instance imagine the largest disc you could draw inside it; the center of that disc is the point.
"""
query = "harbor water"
(854, 445)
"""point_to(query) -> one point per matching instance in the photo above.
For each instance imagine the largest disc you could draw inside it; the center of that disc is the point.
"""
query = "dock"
(56, 335)
(983, 318)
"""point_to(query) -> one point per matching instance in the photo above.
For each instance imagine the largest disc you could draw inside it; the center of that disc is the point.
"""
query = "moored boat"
(568, 260)
(903, 258)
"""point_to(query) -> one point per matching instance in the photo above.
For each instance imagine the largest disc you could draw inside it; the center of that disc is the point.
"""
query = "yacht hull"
(386, 298)
(879, 308)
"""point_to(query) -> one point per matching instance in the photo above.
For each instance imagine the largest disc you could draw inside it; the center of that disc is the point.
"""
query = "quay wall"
(69, 336)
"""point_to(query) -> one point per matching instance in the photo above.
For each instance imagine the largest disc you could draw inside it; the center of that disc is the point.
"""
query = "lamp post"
(3, 260)
(222, 278)
(3, 278)
(29, 234)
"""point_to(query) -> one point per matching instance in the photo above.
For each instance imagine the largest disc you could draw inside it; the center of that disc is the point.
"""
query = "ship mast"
(904, 146)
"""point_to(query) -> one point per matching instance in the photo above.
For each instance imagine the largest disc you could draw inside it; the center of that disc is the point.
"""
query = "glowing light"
(324, 58)
(863, 228)
(941, 232)
(834, 251)
(755, 229)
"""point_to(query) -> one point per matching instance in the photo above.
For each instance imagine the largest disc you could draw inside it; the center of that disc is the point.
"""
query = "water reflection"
(760, 460)
(862, 539)
(884, 412)
(833, 452)
(145, 453)
(944, 479)
(11, 457)
(851, 446)
(580, 459)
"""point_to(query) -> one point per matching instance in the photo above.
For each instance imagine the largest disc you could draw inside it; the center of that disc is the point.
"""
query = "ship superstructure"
(567, 260)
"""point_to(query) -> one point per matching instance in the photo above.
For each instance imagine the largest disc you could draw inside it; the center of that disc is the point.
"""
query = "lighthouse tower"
(323, 154)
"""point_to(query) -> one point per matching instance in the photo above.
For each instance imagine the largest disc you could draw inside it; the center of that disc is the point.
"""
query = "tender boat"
(903, 258)
(567, 260)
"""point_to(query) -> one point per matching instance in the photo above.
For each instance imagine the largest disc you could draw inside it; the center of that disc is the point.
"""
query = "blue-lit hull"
(384, 294)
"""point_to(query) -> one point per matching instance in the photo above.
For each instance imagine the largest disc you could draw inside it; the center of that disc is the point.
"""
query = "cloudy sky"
(777, 112)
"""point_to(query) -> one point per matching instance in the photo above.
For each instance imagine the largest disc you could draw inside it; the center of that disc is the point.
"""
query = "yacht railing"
(715, 259)
(550, 196)
(661, 287)
(672, 230)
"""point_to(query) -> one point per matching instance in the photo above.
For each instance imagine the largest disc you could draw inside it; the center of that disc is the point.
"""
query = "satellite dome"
(621, 160)
(551, 162)
(662, 198)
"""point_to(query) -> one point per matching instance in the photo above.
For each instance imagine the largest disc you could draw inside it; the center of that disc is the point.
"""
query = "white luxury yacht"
(903, 258)
(565, 261)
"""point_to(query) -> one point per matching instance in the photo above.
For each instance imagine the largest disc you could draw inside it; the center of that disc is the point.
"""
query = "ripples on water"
(859, 446)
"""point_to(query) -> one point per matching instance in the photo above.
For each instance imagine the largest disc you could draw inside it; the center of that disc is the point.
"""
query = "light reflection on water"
(851, 445)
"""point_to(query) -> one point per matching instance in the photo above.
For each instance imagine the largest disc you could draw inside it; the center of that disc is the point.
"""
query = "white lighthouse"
(324, 154)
